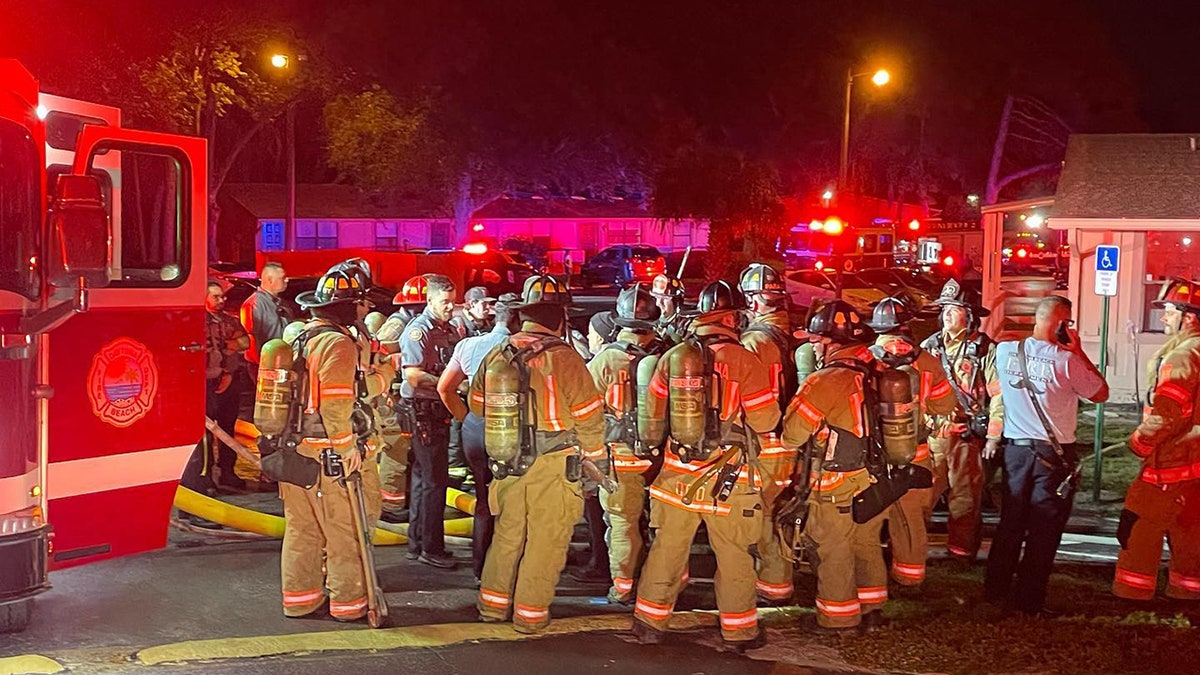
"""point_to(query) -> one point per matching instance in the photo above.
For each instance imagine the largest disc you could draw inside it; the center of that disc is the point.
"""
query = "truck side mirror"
(80, 234)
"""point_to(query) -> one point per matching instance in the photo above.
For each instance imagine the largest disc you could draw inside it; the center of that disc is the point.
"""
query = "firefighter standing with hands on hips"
(716, 397)
(543, 424)
(425, 348)
(769, 337)
(967, 356)
(832, 406)
(615, 370)
(1165, 499)
(320, 549)
(895, 348)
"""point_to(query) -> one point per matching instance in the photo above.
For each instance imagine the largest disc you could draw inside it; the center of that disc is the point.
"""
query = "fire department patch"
(122, 382)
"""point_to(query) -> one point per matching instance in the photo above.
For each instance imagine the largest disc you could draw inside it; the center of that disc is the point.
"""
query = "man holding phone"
(1040, 380)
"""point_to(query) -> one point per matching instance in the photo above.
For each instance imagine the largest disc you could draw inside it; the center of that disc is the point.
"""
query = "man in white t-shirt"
(1039, 489)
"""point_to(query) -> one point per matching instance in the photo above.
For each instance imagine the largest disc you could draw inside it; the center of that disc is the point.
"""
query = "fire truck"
(102, 281)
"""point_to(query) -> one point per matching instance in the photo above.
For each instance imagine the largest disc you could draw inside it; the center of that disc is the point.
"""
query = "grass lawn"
(946, 628)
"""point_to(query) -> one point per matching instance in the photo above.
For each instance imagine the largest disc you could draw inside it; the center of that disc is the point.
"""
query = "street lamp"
(879, 78)
(282, 62)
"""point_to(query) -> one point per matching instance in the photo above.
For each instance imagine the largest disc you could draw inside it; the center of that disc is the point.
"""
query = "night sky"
(760, 76)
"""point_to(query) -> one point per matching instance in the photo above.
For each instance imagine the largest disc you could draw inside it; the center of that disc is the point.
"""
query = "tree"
(1035, 134)
(377, 144)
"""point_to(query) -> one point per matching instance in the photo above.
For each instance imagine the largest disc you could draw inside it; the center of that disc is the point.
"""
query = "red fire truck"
(102, 280)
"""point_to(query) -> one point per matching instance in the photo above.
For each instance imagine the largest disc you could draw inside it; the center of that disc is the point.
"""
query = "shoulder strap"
(965, 399)
(1027, 385)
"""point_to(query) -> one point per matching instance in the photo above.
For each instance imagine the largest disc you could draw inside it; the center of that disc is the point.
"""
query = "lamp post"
(283, 62)
(879, 78)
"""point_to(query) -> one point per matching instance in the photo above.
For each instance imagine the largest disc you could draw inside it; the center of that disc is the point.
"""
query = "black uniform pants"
(1031, 515)
(223, 409)
(429, 477)
(477, 460)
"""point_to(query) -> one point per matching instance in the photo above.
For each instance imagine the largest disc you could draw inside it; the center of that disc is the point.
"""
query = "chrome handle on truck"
(193, 347)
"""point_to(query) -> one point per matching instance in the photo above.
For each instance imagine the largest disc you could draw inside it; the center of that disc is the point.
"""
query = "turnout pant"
(958, 468)
(535, 516)
(1151, 513)
(427, 505)
(623, 509)
(907, 529)
(319, 533)
(730, 537)
(477, 460)
(1032, 515)
(774, 571)
(851, 575)
(393, 468)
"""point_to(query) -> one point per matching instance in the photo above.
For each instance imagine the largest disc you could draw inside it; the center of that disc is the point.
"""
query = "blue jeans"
(1032, 515)
(477, 461)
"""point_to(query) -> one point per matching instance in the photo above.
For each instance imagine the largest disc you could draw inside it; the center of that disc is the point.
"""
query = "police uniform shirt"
(426, 344)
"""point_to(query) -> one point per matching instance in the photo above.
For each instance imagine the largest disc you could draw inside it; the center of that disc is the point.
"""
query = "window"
(1168, 255)
(321, 235)
(624, 233)
(151, 229)
(20, 220)
(386, 236)
(440, 235)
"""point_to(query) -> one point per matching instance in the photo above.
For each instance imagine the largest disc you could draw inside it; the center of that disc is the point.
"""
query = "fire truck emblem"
(122, 382)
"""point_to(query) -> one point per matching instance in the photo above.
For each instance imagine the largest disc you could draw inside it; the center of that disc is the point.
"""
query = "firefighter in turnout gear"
(966, 356)
(397, 435)
(894, 347)
(615, 371)
(668, 294)
(769, 337)
(831, 408)
(543, 422)
(717, 397)
(1165, 499)
(321, 554)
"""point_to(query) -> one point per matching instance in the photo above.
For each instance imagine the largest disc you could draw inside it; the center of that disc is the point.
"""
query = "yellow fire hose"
(249, 520)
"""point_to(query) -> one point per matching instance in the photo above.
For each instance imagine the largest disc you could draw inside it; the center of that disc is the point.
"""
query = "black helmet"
(954, 294)
(839, 322)
(636, 308)
(888, 315)
(760, 278)
(544, 289)
(664, 286)
(719, 296)
(347, 281)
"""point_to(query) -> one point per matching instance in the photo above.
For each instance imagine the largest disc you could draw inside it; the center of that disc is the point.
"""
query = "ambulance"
(102, 284)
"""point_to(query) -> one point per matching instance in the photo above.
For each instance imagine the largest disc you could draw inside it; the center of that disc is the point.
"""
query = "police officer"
(668, 293)
(477, 314)
(830, 406)
(425, 348)
(768, 336)
(614, 370)
(1165, 499)
(320, 549)
(536, 511)
(895, 347)
(394, 461)
(957, 443)
(717, 396)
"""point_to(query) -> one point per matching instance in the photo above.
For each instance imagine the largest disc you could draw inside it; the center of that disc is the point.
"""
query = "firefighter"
(966, 354)
(668, 293)
(320, 550)
(830, 406)
(907, 518)
(536, 495)
(1165, 499)
(425, 349)
(394, 461)
(615, 371)
(717, 397)
(769, 337)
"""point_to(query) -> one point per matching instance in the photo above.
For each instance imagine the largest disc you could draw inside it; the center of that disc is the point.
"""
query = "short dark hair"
(439, 282)
(214, 282)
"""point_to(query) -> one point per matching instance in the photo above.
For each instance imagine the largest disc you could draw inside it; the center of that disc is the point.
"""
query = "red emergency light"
(948, 261)
(477, 248)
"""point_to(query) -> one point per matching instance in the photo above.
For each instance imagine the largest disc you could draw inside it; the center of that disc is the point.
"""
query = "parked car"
(804, 286)
(498, 271)
(899, 283)
(694, 273)
(620, 265)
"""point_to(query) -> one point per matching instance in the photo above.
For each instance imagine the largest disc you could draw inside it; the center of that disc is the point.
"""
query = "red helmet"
(414, 292)
(1184, 294)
